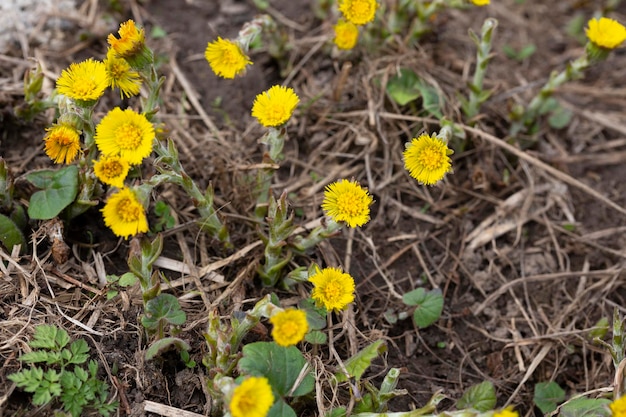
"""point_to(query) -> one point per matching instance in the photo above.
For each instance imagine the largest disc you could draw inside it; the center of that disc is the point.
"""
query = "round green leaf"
(59, 190)
(429, 309)
(10, 234)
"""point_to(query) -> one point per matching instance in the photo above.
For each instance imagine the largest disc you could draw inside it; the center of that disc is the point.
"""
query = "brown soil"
(519, 303)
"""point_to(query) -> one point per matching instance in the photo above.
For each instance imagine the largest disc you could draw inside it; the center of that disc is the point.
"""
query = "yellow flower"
(125, 133)
(606, 33)
(121, 75)
(62, 143)
(346, 201)
(124, 214)
(253, 398)
(480, 2)
(618, 407)
(427, 159)
(84, 81)
(111, 170)
(275, 106)
(506, 412)
(333, 289)
(131, 44)
(346, 34)
(226, 58)
(290, 326)
(358, 12)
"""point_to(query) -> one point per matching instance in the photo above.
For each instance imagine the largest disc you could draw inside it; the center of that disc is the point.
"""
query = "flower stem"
(477, 96)
(172, 171)
(274, 139)
(573, 71)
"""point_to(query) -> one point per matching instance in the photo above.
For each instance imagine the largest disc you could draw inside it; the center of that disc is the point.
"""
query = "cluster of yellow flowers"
(123, 137)
(355, 13)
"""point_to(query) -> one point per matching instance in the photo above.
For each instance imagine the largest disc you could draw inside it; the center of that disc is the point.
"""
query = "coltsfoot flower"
(506, 412)
(253, 398)
(131, 45)
(84, 81)
(618, 407)
(125, 133)
(275, 106)
(346, 201)
(124, 214)
(226, 58)
(111, 170)
(290, 327)
(62, 143)
(480, 2)
(121, 75)
(346, 34)
(358, 12)
(606, 33)
(333, 288)
(427, 159)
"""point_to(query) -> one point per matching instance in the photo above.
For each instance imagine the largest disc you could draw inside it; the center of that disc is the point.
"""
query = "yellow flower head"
(290, 326)
(111, 170)
(275, 106)
(226, 58)
(131, 43)
(606, 33)
(253, 398)
(346, 34)
(506, 412)
(62, 143)
(480, 2)
(124, 214)
(125, 133)
(358, 12)
(333, 289)
(427, 159)
(618, 407)
(84, 81)
(346, 201)
(121, 75)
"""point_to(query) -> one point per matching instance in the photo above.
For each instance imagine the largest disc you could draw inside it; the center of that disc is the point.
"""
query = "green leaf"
(315, 337)
(431, 102)
(481, 397)
(560, 118)
(359, 363)
(158, 32)
(429, 305)
(59, 190)
(159, 346)
(45, 337)
(79, 350)
(403, 88)
(280, 365)
(35, 356)
(548, 395)
(128, 279)
(315, 316)
(163, 307)
(549, 105)
(601, 328)
(281, 409)
(586, 407)
(62, 338)
(10, 234)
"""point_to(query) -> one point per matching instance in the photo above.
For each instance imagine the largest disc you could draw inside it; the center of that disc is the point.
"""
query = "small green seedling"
(57, 373)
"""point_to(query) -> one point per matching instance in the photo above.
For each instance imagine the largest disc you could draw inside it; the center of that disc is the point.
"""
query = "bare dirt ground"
(528, 260)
